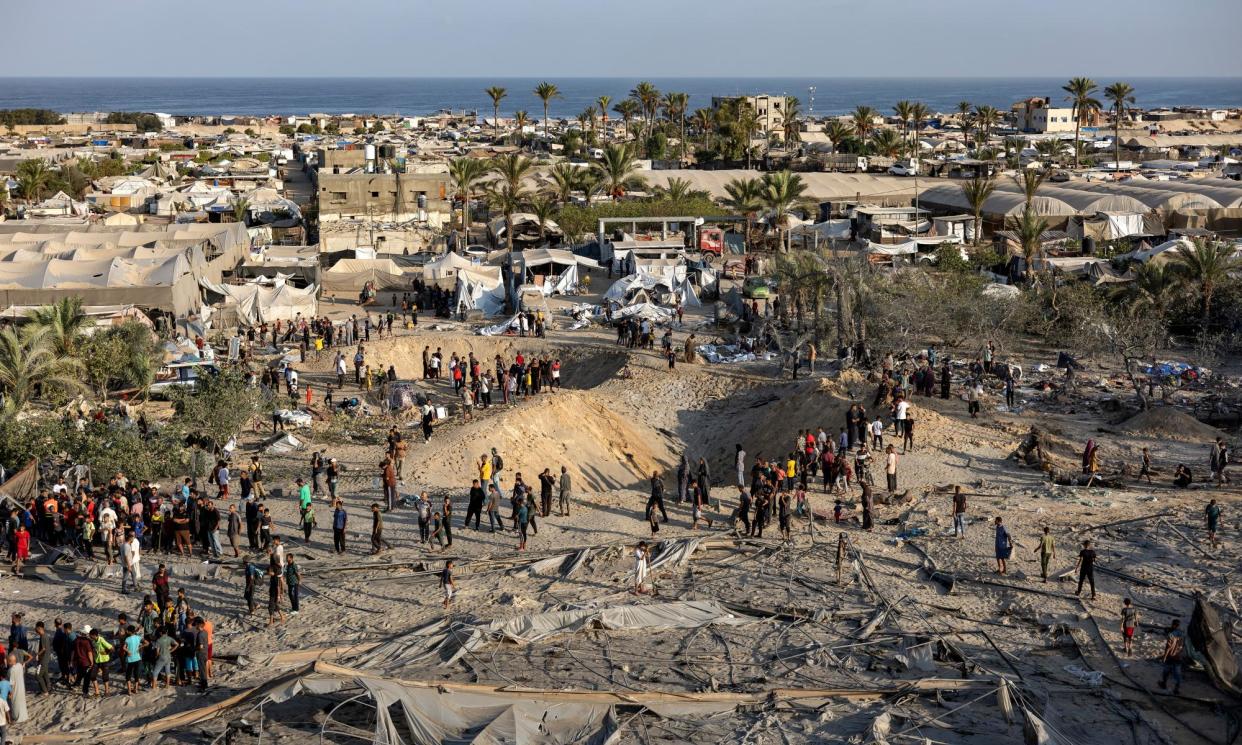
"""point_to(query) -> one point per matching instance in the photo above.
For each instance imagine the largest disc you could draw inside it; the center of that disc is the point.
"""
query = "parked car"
(904, 168)
(756, 288)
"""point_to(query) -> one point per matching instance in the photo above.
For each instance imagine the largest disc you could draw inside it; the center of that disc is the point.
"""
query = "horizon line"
(596, 77)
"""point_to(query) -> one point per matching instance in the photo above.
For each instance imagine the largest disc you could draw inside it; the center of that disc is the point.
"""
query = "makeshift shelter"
(256, 303)
(479, 292)
(446, 266)
(352, 275)
(554, 271)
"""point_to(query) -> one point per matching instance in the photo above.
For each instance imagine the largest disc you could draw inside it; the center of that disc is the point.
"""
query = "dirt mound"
(602, 448)
(1171, 423)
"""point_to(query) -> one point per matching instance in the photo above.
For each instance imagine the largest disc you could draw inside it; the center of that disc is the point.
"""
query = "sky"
(619, 38)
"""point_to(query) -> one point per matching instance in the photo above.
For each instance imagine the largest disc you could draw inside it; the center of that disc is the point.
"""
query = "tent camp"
(351, 275)
(165, 284)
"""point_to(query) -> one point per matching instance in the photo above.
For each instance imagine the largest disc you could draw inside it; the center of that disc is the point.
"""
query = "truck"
(847, 162)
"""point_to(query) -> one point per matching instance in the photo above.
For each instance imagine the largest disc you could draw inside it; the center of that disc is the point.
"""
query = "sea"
(419, 96)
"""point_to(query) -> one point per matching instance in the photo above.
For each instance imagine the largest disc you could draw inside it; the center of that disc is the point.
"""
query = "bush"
(578, 221)
(949, 258)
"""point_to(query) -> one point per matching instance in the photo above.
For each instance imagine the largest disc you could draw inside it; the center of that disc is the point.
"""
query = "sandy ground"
(621, 415)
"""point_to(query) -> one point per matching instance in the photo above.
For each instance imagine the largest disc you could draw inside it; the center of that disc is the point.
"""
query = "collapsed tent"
(479, 292)
(255, 303)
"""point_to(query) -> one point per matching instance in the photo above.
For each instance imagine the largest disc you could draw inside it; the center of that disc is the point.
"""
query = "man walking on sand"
(1086, 567)
(1047, 551)
(1004, 545)
(959, 512)
(565, 492)
(446, 582)
(1212, 514)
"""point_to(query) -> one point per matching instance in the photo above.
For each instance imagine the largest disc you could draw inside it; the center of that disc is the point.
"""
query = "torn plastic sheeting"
(725, 353)
(294, 418)
(563, 565)
(678, 551)
(1036, 732)
(654, 617)
(285, 445)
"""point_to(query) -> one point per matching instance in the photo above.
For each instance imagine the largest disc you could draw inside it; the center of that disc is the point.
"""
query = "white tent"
(255, 303)
(446, 266)
(479, 292)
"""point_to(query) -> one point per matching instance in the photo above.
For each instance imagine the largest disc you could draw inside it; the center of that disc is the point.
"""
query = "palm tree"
(905, 112)
(241, 209)
(977, 191)
(747, 123)
(1155, 287)
(30, 365)
(618, 170)
(781, 193)
(1206, 265)
(497, 94)
(838, 132)
(1050, 150)
(543, 209)
(587, 120)
(546, 92)
(64, 321)
(679, 190)
(745, 196)
(627, 108)
(919, 113)
(1121, 95)
(466, 174)
(602, 102)
(509, 191)
(591, 184)
(793, 117)
(565, 178)
(886, 142)
(33, 176)
(1030, 229)
(1013, 151)
(648, 98)
(1080, 90)
(864, 123)
(1029, 180)
(986, 119)
(675, 105)
(521, 120)
(964, 118)
(704, 121)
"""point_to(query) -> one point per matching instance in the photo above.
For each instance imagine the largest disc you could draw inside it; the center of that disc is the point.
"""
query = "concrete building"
(1040, 116)
(769, 110)
(388, 197)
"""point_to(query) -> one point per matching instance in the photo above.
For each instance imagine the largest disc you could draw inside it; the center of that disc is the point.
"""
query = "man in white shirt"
(741, 466)
(131, 556)
(107, 525)
(903, 407)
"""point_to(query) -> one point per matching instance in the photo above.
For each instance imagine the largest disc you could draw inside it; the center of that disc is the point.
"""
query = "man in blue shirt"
(1004, 546)
(339, 519)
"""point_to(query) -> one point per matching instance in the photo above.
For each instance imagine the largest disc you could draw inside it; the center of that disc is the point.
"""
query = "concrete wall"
(342, 196)
(69, 129)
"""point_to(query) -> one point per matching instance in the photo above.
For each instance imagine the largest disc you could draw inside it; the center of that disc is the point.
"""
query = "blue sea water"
(414, 96)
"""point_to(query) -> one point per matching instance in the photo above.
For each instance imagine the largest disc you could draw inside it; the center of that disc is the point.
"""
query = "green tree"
(564, 179)
(466, 173)
(977, 191)
(497, 94)
(1029, 180)
(509, 191)
(675, 106)
(745, 196)
(904, 111)
(1121, 96)
(838, 132)
(602, 103)
(1030, 229)
(1083, 105)
(887, 143)
(1205, 266)
(33, 177)
(30, 366)
(628, 108)
(782, 193)
(64, 321)
(241, 210)
(544, 210)
(679, 189)
(218, 406)
(619, 170)
(647, 96)
(864, 123)
(545, 92)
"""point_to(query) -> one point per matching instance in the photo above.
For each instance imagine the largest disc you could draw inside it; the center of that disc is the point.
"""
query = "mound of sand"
(1170, 423)
(603, 448)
